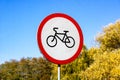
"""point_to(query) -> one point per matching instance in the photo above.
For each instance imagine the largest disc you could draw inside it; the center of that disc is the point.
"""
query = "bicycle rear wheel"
(51, 41)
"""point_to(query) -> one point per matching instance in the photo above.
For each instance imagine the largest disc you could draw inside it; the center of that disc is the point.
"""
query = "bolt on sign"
(60, 38)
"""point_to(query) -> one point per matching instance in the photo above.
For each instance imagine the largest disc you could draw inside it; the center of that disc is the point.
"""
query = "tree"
(109, 39)
(26, 69)
(106, 64)
(105, 67)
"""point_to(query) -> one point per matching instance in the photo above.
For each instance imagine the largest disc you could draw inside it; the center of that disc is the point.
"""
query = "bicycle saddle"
(66, 31)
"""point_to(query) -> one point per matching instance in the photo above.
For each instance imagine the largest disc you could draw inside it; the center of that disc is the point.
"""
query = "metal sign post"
(58, 71)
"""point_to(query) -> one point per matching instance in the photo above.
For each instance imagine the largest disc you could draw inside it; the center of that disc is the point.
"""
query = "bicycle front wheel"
(69, 42)
(51, 41)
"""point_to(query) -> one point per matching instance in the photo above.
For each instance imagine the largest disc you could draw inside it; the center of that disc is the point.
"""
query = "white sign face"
(61, 38)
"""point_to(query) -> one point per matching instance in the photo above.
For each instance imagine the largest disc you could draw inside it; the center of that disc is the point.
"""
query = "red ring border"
(39, 39)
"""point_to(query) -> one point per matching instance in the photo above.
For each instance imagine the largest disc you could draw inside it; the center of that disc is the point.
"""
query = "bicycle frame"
(63, 39)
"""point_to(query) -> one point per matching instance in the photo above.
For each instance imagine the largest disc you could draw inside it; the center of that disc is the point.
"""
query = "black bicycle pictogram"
(52, 39)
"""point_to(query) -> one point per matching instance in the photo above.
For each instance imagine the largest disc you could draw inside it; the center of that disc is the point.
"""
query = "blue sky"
(19, 21)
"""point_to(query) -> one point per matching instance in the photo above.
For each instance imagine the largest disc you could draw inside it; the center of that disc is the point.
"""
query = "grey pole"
(58, 71)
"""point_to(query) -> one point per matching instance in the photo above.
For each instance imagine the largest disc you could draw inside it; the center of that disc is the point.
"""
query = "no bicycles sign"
(60, 38)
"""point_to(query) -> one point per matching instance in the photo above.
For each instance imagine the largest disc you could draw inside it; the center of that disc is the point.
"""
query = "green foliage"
(26, 69)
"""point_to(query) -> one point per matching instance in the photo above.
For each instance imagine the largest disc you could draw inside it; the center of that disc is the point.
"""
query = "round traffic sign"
(60, 38)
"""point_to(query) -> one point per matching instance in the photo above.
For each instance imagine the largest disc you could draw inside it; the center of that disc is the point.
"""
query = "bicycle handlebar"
(55, 29)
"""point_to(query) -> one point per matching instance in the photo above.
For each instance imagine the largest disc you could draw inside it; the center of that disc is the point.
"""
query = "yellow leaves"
(110, 38)
(106, 66)
(116, 71)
